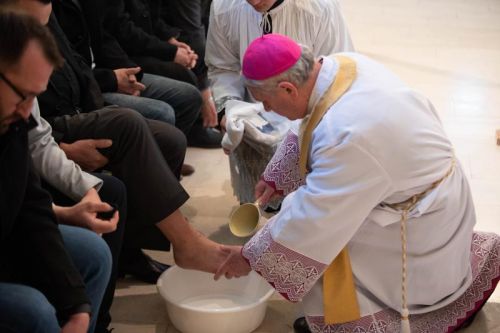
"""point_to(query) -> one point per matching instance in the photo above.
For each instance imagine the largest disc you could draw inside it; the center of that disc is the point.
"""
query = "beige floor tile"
(487, 216)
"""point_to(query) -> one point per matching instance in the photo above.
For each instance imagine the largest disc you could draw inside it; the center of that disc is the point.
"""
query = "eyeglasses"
(13, 87)
(23, 97)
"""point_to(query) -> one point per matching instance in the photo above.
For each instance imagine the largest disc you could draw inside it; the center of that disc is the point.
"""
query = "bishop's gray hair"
(298, 74)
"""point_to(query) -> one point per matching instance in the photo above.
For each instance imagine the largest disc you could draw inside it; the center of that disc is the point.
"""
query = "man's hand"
(222, 124)
(84, 214)
(234, 265)
(85, 153)
(95, 224)
(175, 42)
(77, 323)
(185, 58)
(127, 81)
(264, 192)
(208, 110)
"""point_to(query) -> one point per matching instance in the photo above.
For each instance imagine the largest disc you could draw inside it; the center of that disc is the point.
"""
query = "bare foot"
(199, 253)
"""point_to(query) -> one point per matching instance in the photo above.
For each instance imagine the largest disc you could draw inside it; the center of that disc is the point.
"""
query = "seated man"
(146, 155)
(120, 79)
(40, 288)
(380, 234)
(233, 25)
(153, 45)
(78, 190)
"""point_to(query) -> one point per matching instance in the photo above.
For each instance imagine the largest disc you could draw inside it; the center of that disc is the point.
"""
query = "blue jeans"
(174, 102)
(24, 309)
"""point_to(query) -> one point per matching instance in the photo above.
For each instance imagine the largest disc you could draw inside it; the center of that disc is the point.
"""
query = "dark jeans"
(112, 191)
(147, 156)
(172, 101)
(167, 69)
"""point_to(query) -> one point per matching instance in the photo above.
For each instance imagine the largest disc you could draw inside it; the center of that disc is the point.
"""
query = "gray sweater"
(52, 164)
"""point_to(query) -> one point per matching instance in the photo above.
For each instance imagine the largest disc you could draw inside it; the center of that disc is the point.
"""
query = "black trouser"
(112, 191)
(147, 155)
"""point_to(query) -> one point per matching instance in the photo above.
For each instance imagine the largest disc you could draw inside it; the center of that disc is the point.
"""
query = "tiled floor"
(447, 49)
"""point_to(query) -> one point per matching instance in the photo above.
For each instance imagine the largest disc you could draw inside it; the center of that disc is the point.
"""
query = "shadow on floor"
(487, 320)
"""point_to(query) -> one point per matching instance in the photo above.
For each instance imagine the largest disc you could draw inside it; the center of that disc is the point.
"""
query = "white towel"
(252, 122)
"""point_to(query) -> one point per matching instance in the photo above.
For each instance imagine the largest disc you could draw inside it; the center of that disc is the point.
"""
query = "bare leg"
(192, 250)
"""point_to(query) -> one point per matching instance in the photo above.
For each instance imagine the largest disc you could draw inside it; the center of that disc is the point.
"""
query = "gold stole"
(339, 294)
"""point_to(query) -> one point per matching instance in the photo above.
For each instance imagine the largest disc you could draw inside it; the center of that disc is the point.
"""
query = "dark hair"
(18, 30)
(4, 3)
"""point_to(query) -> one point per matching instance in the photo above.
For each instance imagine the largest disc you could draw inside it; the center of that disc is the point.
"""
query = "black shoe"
(141, 266)
(105, 330)
(300, 325)
(187, 170)
(204, 137)
(270, 209)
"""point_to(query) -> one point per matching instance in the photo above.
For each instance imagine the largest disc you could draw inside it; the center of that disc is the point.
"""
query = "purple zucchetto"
(270, 55)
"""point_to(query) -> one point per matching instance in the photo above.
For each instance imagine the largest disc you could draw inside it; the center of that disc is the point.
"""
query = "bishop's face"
(280, 100)
(261, 6)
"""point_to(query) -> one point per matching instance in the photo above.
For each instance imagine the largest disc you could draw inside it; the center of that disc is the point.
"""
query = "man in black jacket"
(40, 288)
(120, 79)
(154, 45)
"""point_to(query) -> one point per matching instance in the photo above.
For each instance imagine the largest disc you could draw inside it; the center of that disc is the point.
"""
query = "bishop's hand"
(264, 192)
(234, 265)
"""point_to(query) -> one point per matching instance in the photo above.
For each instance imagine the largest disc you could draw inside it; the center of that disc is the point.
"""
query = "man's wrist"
(91, 193)
(65, 147)
(61, 213)
(92, 196)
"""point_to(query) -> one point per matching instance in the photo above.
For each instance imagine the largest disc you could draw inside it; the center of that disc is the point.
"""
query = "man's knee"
(159, 110)
(126, 123)
(175, 141)
(25, 309)
(99, 258)
(180, 143)
(193, 95)
(184, 91)
(113, 190)
(39, 311)
(170, 139)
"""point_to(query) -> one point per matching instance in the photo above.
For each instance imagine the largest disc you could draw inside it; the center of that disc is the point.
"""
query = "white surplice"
(234, 24)
(381, 142)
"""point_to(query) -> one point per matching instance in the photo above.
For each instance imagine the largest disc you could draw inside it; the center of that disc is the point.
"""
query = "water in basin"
(215, 301)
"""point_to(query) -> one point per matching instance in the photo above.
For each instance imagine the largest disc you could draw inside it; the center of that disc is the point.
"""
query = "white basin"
(198, 304)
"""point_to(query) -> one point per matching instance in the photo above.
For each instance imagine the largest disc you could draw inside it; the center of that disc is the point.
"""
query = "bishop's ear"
(289, 88)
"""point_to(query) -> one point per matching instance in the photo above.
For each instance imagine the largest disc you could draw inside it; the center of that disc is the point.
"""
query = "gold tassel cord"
(405, 207)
